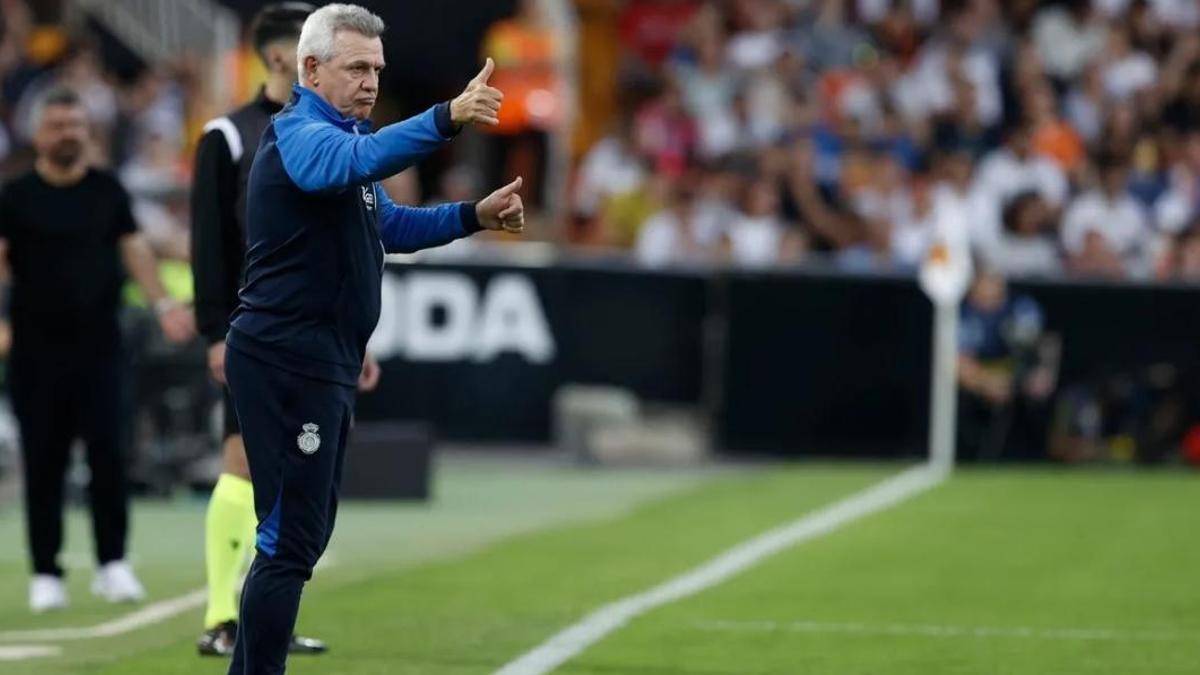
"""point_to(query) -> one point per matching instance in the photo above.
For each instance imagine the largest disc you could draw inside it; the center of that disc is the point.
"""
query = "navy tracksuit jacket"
(317, 227)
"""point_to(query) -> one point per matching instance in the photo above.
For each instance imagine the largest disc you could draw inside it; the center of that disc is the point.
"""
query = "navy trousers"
(295, 430)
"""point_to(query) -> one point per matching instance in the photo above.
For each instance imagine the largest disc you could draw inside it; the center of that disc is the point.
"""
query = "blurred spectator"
(759, 42)
(1126, 71)
(1179, 206)
(829, 37)
(1026, 246)
(1085, 104)
(612, 167)
(913, 231)
(651, 29)
(1052, 136)
(1187, 256)
(886, 199)
(756, 235)
(1104, 230)
(1182, 112)
(960, 63)
(1007, 372)
(709, 90)
(665, 133)
(959, 191)
(1069, 36)
(527, 57)
(1015, 167)
(681, 233)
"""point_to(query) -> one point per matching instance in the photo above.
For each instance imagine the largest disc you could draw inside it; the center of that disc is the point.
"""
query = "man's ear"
(310, 70)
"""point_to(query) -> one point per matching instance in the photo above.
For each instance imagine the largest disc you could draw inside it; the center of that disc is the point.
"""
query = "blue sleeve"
(321, 157)
(405, 229)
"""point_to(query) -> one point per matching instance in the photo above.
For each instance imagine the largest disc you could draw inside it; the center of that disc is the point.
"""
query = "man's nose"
(370, 83)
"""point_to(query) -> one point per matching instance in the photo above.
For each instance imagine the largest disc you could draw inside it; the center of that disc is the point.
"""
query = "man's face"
(989, 291)
(350, 80)
(61, 135)
(280, 57)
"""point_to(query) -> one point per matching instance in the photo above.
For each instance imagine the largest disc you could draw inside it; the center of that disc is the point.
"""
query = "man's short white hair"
(322, 26)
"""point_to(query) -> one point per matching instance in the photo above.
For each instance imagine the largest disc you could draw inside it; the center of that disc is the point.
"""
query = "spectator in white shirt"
(958, 190)
(913, 233)
(1126, 71)
(1068, 37)
(681, 233)
(1025, 247)
(959, 58)
(612, 167)
(1104, 231)
(1014, 168)
(757, 236)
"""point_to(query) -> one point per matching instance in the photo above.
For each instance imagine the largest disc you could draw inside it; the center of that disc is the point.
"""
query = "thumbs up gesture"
(479, 103)
(503, 209)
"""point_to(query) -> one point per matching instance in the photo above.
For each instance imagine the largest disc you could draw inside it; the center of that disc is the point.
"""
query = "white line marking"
(141, 618)
(947, 631)
(573, 640)
(146, 616)
(23, 652)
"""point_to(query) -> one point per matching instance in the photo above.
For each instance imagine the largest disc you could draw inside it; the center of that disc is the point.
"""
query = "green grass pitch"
(995, 572)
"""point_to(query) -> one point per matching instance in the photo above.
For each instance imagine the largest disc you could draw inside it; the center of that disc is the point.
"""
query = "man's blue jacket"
(317, 227)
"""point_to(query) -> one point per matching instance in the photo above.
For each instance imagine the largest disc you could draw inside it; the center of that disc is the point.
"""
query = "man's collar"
(312, 103)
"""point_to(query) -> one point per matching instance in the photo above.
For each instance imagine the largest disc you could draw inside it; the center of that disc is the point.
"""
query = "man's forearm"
(143, 267)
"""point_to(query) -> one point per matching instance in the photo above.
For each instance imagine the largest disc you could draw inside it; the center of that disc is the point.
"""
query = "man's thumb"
(482, 77)
(511, 187)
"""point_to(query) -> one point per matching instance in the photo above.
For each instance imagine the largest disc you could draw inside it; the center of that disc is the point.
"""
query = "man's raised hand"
(503, 209)
(479, 103)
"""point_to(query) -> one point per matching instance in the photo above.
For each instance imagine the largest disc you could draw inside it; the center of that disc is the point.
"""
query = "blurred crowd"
(140, 117)
(1063, 136)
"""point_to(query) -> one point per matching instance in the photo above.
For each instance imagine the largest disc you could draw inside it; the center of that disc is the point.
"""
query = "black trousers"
(60, 392)
(295, 430)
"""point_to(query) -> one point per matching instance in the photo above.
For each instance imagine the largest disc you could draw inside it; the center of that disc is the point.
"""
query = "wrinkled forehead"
(354, 47)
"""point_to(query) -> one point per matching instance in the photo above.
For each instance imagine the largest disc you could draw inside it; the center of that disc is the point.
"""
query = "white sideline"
(146, 616)
(947, 631)
(573, 640)
(22, 652)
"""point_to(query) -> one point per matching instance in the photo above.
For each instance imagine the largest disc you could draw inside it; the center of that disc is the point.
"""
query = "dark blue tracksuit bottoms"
(295, 429)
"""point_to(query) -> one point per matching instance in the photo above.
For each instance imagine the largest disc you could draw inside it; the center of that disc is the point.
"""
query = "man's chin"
(362, 111)
(64, 161)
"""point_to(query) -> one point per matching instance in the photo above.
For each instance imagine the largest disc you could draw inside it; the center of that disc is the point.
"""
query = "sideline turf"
(990, 548)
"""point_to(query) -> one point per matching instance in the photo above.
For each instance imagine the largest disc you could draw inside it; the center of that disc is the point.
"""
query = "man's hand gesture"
(503, 209)
(479, 103)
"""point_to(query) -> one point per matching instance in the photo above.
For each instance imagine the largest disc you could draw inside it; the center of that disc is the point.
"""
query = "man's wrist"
(443, 117)
(165, 304)
(468, 213)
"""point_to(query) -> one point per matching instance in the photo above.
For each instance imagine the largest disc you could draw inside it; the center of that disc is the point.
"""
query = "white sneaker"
(47, 592)
(116, 582)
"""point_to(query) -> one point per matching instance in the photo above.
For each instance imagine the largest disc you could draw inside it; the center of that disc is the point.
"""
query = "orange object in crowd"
(525, 72)
(1059, 141)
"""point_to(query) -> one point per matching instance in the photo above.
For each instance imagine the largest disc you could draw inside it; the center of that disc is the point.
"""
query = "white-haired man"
(318, 226)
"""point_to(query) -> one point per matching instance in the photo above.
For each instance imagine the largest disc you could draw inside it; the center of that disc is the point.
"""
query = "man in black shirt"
(223, 160)
(68, 236)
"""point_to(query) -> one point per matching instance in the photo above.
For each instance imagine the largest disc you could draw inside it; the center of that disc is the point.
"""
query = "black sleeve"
(123, 222)
(214, 229)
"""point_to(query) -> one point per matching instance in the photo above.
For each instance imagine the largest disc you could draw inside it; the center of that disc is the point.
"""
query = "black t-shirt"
(63, 247)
